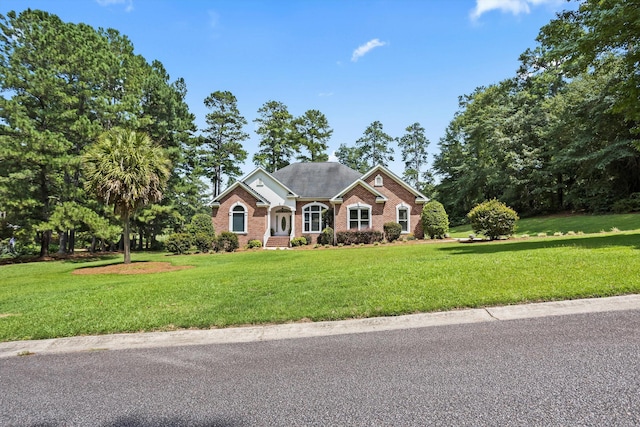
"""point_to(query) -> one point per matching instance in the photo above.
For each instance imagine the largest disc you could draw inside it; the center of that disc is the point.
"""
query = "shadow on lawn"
(632, 240)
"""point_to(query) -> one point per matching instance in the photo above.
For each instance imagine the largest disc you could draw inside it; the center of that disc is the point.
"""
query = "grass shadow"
(91, 258)
(631, 240)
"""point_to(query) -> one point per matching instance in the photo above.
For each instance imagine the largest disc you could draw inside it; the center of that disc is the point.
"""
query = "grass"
(566, 223)
(45, 300)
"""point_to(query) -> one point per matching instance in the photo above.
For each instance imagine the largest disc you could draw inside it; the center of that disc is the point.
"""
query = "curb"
(315, 329)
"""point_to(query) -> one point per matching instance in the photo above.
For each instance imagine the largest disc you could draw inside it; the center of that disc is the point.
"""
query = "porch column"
(267, 231)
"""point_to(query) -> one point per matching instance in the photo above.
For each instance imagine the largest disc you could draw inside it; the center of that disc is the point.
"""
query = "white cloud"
(332, 157)
(128, 3)
(516, 7)
(365, 48)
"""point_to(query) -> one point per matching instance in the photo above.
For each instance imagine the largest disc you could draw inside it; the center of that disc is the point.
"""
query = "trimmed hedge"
(254, 244)
(203, 241)
(179, 243)
(299, 241)
(226, 242)
(435, 220)
(493, 219)
(392, 231)
(326, 237)
(356, 237)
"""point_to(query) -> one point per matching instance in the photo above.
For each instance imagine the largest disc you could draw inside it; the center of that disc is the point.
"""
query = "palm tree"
(126, 170)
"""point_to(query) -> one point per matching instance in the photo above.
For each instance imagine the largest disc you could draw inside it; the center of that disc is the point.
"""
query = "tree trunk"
(72, 240)
(92, 248)
(45, 239)
(126, 239)
(62, 239)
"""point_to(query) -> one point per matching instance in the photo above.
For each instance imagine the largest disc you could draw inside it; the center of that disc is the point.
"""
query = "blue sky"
(395, 61)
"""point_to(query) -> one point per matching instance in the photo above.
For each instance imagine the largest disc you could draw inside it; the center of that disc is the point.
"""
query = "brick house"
(275, 207)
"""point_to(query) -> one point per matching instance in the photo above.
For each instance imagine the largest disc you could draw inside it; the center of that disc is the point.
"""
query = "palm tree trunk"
(126, 240)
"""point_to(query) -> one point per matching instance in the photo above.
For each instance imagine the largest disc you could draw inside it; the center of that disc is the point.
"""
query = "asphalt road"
(563, 370)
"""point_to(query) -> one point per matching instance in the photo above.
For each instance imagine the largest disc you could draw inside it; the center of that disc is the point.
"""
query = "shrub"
(392, 231)
(359, 237)
(254, 244)
(298, 241)
(226, 242)
(630, 204)
(308, 238)
(203, 241)
(326, 237)
(201, 223)
(435, 220)
(493, 219)
(178, 243)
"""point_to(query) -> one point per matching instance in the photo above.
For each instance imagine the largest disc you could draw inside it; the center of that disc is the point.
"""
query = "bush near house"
(254, 244)
(326, 237)
(493, 219)
(203, 241)
(226, 242)
(179, 243)
(435, 220)
(308, 238)
(298, 241)
(392, 231)
(358, 237)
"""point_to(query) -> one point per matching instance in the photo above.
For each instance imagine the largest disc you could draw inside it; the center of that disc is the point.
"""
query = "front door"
(282, 224)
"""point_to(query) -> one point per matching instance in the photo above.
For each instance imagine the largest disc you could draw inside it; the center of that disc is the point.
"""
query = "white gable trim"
(260, 169)
(420, 198)
(380, 198)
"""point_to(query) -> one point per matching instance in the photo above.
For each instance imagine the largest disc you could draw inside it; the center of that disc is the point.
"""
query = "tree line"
(560, 135)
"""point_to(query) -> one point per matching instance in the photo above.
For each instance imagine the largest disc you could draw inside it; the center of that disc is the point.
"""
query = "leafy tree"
(220, 151)
(413, 146)
(313, 133)
(374, 146)
(352, 157)
(126, 170)
(277, 143)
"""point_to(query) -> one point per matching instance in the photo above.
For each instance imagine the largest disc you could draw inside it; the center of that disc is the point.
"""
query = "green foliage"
(203, 241)
(630, 204)
(179, 243)
(307, 238)
(254, 244)
(359, 237)
(374, 146)
(226, 242)
(299, 241)
(277, 139)
(352, 157)
(220, 151)
(435, 220)
(493, 219)
(392, 231)
(326, 237)
(413, 146)
(312, 132)
(201, 223)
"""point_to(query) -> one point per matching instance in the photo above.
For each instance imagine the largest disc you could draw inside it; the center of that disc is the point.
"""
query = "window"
(238, 219)
(402, 214)
(378, 181)
(359, 217)
(312, 218)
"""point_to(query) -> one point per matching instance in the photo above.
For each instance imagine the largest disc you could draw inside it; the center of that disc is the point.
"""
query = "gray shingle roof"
(316, 180)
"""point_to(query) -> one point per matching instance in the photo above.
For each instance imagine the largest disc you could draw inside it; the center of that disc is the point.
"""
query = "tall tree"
(313, 133)
(374, 146)
(277, 140)
(352, 157)
(126, 170)
(413, 146)
(221, 151)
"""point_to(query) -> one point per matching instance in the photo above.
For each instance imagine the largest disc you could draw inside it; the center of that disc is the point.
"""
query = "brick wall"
(256, 216)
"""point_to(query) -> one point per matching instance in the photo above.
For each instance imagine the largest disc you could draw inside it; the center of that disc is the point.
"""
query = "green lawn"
(566, 223)
(44, 300)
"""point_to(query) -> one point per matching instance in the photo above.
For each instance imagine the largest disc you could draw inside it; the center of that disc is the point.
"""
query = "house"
(275, 207)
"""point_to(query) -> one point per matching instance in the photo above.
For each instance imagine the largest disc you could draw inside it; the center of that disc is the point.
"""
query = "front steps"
(277, 242)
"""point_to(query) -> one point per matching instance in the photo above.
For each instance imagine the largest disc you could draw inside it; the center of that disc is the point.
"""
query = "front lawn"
(45, 300)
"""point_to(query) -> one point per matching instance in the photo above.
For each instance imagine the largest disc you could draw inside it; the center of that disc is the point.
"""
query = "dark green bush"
(630, 204)
(179, 243)
(298, 241)
(326, 237)
(308, 238)
(435, 220)
(358, 237)
(226, 242)
(493, 219)
(201, 223)
(392, 231)
(203, 241)
(254, 244)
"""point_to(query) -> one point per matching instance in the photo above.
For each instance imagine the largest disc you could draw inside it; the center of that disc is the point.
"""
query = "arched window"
(402, 217)
(238, 218)
(359, 216)
(312, 217)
